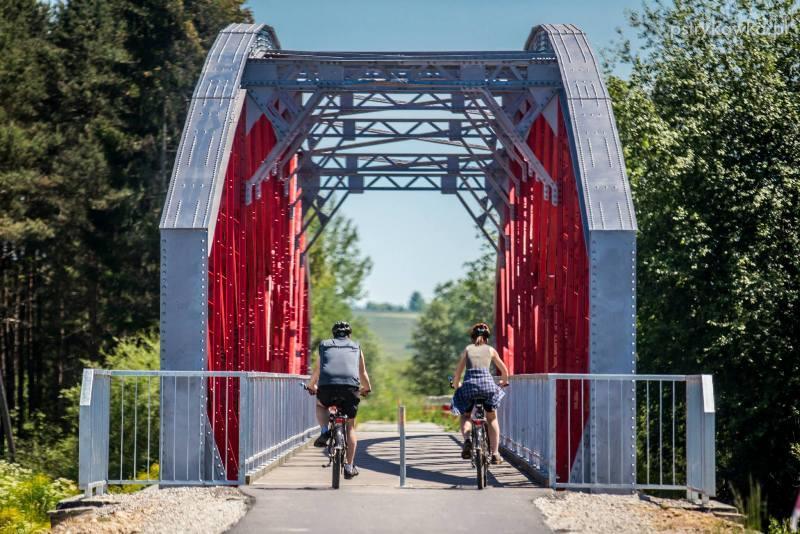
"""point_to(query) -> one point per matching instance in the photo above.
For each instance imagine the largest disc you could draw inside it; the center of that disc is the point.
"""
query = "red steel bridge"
(276, 140)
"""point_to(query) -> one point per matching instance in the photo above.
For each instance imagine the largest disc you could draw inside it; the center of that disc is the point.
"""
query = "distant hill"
(393, 330)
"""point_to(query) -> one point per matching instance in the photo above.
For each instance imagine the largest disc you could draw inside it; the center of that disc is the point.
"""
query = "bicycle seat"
(479, 400)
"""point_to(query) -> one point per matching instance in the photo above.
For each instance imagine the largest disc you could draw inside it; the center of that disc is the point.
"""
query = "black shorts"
(346, 398)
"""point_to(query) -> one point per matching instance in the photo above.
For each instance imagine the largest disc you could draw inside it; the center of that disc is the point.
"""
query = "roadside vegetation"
(710, 125)
(444, 327)
(426, 346)
(26, 496)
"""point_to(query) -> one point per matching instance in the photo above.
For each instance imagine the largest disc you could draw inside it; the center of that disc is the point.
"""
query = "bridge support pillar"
(612, 336)
(187, 445)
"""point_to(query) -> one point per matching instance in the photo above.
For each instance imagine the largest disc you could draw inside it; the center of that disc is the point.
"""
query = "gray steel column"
(610, 233)
(188, 448)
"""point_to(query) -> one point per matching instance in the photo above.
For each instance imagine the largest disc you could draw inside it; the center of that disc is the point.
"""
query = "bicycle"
(481, 447)
(336, 447)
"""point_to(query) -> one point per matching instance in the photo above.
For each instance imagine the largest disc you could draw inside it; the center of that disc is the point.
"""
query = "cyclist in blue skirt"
(477, 359)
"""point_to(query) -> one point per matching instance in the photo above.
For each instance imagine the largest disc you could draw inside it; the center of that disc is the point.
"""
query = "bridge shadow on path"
(432, 460)
(441, 497)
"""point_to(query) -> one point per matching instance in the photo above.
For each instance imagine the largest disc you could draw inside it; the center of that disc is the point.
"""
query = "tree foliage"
(444, 327)
(710, 124)
(337, 271)
(416, 303)
(93, 95)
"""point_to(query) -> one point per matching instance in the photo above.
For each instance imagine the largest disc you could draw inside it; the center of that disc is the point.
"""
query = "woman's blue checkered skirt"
(477, 383)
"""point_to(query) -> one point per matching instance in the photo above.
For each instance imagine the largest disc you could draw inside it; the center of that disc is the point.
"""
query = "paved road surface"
(297, 496)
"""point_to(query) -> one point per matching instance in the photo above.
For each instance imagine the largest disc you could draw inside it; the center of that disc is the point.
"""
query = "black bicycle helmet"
(341, 329)
(480, 330)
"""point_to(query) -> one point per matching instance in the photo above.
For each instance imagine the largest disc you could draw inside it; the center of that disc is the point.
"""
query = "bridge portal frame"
(305, 98)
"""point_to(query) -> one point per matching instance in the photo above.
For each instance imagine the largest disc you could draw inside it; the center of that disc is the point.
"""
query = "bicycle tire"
(486, 459)
(340, 445)
(337, 469)
(480, 460)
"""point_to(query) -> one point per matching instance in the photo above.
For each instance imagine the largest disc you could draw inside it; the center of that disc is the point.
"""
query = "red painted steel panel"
(542, 321)
(257, 298)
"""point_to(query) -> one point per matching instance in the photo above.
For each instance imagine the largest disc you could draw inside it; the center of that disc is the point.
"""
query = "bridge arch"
(530, 149)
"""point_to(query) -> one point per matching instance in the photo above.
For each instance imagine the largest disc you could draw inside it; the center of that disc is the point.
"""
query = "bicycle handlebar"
(496, 379)
(360, 392)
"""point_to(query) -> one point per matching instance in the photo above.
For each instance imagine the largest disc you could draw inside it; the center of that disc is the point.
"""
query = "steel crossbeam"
(400, 162)
(389, 183)
(323, 103)
(300, 71)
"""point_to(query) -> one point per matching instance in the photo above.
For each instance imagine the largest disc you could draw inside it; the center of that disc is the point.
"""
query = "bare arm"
(362, 371)
(501, 366)
(312, 382)
(462, 362)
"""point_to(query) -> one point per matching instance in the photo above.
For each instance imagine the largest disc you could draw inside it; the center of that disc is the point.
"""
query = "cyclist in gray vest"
(339, 379)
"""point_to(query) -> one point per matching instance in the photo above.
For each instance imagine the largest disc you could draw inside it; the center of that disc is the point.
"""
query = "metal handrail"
(577, 431)
(602, 376)
(206, 374)
(198, 427)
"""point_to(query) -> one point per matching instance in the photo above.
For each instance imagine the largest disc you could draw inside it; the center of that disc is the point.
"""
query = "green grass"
(393, 330)
(26, 496)
(390, 388)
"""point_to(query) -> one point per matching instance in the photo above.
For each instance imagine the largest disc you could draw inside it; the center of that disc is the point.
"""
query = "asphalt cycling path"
(441, 495)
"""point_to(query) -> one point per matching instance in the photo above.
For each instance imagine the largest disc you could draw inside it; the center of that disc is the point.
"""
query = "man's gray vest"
(338, 362)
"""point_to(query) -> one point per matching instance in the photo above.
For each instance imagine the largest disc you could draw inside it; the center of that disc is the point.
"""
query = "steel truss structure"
(276, 140)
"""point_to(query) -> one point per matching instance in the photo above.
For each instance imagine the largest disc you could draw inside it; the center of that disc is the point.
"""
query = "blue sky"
(417, 240)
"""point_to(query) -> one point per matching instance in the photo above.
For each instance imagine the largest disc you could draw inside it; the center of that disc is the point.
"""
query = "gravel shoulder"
(581, 512)
(190, 510)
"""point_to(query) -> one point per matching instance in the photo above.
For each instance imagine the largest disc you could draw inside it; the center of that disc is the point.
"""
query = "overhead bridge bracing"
(276, 140)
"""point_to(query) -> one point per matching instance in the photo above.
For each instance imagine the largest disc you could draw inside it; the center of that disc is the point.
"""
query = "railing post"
(709, 431)
(401, 426)
(93, 432)
(244, 424)
(551, 432)
(85, 427)
(700, 430)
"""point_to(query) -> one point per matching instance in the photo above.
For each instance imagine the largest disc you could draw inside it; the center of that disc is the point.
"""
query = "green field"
(393, 330)
(390, 383)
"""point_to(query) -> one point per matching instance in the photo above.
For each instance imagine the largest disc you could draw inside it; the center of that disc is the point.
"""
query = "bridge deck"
(442, 498)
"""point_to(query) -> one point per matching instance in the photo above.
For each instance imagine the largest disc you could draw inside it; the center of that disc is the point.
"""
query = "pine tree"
(93, 96)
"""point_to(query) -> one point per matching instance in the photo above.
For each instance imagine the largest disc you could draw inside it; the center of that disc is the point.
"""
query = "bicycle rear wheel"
(340, 444)
(480, 459)
(337, 469)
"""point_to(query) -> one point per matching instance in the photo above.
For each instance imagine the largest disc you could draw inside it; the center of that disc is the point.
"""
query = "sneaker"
(322, 440)
(350, 471)
(496, 459)
(466, 452)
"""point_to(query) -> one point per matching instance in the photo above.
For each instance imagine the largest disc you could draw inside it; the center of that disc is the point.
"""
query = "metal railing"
(187, 427)
(614, 432)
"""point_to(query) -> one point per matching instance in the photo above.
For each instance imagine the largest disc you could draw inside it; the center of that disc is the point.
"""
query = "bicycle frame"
(337, 444)
(480, 443)
(337, 427)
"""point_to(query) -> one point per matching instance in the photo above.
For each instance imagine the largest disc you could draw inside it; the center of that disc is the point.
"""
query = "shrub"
(25, 498)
